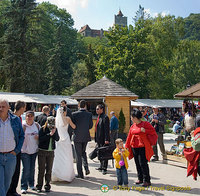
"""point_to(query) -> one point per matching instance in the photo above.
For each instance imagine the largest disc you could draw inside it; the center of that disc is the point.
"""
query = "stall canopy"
(161, 103)
(191, 92)
(37, 98)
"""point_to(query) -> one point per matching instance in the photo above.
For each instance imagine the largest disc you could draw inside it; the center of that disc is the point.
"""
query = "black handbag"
(93, 154)
(105, 152)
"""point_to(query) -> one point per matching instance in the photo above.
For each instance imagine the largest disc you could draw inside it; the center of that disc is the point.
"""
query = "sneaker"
(32, 188)
(47, 190)
(104, 172)
(39, 190)
(154, 159)
(139, 182)
(99, 169)
(23, 191)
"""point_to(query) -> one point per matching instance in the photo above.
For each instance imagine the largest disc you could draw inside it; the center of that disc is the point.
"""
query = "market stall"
(190, 109)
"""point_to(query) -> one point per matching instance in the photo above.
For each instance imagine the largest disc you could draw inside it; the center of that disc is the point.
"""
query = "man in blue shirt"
(114, 127)
(11, 141)
(177, 128)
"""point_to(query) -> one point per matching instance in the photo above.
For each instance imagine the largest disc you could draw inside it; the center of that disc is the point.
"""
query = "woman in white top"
(29, 152)
(63, 166)
(189, 122)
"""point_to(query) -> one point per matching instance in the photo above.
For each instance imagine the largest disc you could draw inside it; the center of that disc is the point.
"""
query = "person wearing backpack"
(139, 143)
(29, 152)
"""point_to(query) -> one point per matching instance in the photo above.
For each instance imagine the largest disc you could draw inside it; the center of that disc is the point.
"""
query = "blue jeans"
(28, 172)
(122, 176)
(7, 169)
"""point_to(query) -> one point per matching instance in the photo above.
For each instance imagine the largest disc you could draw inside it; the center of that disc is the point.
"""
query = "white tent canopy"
(37, 98)
(138, 104)
(161, 103)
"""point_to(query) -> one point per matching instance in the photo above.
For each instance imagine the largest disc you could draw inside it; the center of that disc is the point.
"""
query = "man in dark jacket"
(42, 118)
(157, 119)
(102, 134)
(83, 121)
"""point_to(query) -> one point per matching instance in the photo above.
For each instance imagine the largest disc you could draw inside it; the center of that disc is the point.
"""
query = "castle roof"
(103, 88)
(120, 13)
(86, 27)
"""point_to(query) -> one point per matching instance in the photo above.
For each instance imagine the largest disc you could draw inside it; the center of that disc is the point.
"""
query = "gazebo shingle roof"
(191, 92)
(102, 88)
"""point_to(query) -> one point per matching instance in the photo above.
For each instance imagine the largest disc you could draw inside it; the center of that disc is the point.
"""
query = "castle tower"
(120, 19)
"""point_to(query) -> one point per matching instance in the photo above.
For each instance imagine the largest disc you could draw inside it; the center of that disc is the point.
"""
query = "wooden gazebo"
(114, 96)
(191, 92)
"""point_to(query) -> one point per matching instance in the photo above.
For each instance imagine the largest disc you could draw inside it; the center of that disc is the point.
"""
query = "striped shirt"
(7, 138)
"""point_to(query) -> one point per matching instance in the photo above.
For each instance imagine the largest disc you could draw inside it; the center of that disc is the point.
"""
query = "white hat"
(112, 112)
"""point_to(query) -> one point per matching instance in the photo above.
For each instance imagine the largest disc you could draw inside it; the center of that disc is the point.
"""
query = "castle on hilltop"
(119, 19)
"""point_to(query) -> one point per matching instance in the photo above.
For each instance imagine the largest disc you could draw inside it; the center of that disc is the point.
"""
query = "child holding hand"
(120, 155)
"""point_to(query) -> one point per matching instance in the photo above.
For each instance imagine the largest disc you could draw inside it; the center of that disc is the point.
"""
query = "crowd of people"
(50, 139)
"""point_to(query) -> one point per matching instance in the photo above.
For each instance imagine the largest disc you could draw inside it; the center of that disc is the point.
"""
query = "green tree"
(90, 63)
(79, 80)
(128, 57)
(29, 40)
(59, 68)
(165, 36)
(192, 27)
(17, 45)
(141, 14)
(60, 43)
(186, 64)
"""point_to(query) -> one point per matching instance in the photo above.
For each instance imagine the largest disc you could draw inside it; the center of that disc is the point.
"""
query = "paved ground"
(166, 177)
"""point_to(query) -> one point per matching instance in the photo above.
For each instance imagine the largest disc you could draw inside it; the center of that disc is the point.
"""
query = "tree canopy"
(41, 52)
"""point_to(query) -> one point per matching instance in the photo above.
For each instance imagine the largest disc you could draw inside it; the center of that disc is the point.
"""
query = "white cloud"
(155, 14)
(164, 13)
(70, 5)
(84, 3)
(148, 11)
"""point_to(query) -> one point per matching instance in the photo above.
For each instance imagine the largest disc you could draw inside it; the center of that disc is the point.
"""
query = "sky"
(100, 13)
